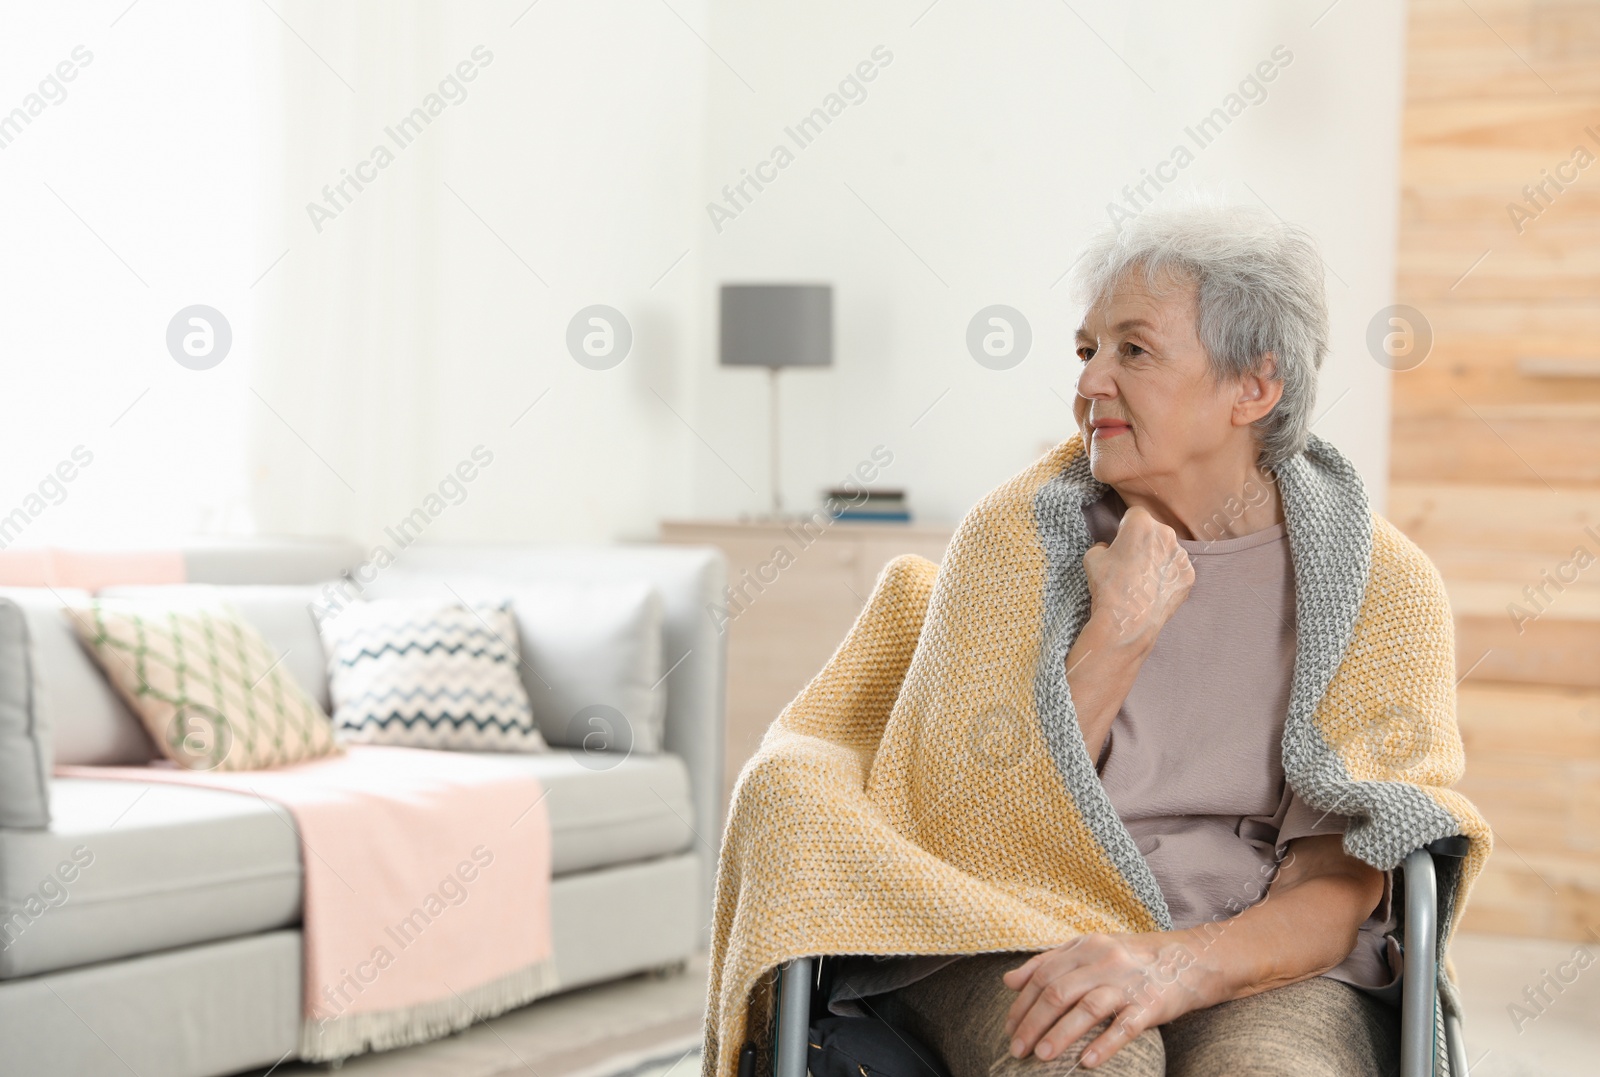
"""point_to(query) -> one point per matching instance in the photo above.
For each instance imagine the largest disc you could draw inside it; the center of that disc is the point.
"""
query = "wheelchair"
(1422, 1022)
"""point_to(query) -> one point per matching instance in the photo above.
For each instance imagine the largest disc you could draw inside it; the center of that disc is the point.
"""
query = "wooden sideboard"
(795, 590)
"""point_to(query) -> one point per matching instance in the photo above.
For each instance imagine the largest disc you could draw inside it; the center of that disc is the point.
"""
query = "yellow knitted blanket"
(929, 791)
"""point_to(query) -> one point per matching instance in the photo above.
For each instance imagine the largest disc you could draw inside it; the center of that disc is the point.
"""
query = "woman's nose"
(1095, 380)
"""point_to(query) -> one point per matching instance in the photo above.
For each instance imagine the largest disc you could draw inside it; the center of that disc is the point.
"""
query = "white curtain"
(342, 420)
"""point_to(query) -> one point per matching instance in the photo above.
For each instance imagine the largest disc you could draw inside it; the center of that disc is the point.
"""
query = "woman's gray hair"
(1260, 290)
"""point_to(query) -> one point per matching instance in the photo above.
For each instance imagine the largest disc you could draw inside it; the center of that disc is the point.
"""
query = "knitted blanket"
(929, 792)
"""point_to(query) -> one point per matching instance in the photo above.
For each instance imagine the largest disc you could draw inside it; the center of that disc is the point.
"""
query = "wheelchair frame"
(1421, 1018)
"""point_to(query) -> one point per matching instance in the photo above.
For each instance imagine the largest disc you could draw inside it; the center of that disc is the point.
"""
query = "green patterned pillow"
(205, 684)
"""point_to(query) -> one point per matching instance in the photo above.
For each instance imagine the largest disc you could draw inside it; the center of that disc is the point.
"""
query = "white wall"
(133, 194)
(370, 358)
(989, 148)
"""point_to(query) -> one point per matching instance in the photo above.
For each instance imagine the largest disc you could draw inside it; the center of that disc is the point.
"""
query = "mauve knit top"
(1194, 760)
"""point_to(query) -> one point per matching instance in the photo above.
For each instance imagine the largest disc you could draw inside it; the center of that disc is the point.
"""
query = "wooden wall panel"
(1501, 50)
(1495, 463)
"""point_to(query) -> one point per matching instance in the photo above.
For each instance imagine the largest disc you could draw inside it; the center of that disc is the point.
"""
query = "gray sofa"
(175, 950)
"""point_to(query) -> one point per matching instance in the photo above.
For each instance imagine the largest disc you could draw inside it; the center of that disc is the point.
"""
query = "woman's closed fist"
(1140, 579)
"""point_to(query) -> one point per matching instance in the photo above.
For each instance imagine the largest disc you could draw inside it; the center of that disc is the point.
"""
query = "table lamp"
(776, 326)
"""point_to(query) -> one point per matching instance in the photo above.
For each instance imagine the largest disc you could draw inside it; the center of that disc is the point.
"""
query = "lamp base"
(772, 426)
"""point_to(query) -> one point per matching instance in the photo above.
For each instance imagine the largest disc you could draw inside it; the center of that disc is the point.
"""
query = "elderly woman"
(1197, 370)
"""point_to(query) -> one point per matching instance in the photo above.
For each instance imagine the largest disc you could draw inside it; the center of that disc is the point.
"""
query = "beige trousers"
(1315, 1028)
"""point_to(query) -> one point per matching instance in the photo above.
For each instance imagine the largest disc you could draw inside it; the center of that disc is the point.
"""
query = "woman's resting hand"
(1305, 926)
(1063, 993)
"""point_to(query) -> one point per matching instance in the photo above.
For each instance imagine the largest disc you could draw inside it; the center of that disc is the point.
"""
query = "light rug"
(674, 1058)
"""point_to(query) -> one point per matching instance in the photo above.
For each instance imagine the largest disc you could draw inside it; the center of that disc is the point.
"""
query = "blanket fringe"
(325, 1040)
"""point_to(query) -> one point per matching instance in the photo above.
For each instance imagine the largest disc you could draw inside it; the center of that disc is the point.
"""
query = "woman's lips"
(1103, 430)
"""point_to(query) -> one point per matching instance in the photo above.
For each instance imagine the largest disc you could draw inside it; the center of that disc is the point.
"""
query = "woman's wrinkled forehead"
(1166, 302)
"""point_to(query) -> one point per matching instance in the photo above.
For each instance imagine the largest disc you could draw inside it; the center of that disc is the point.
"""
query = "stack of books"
(878, 506)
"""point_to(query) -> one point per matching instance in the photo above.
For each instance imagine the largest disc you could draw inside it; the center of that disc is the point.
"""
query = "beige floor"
(1562, 1040)
(567, 1035)
(561, 1036)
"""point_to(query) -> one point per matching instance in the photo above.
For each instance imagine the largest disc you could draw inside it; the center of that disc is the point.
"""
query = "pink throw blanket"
(51, 566)
(427, 889)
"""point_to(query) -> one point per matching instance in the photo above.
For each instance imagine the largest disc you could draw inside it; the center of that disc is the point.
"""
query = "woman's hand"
(1305, 926)
(1136, 583)
(1140, 579)
(1139, 981)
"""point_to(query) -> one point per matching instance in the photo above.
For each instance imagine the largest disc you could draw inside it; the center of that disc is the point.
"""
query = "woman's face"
(1147, 405)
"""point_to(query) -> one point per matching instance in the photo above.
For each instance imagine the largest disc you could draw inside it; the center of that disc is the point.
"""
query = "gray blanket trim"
(1058, 515)
(1329, 524)
(1330, 542)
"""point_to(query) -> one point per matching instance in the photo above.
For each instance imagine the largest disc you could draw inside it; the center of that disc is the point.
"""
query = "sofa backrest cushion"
(591, 652)
(281, 613)
(266, 560)
(24, 753)
(77, 715)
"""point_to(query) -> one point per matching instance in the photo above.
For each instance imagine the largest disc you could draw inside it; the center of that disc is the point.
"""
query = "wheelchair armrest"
(1419, 989)
(1419, 985)
(793, 1016)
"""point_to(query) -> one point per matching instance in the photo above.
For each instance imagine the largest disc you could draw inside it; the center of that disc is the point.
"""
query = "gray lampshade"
(777, 325)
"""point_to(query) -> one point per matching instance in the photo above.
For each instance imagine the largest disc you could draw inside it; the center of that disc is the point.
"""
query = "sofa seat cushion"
(609, 807)
(127, 868)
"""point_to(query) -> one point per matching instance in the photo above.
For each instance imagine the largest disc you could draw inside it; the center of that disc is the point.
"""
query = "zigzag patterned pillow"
(426, 675)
